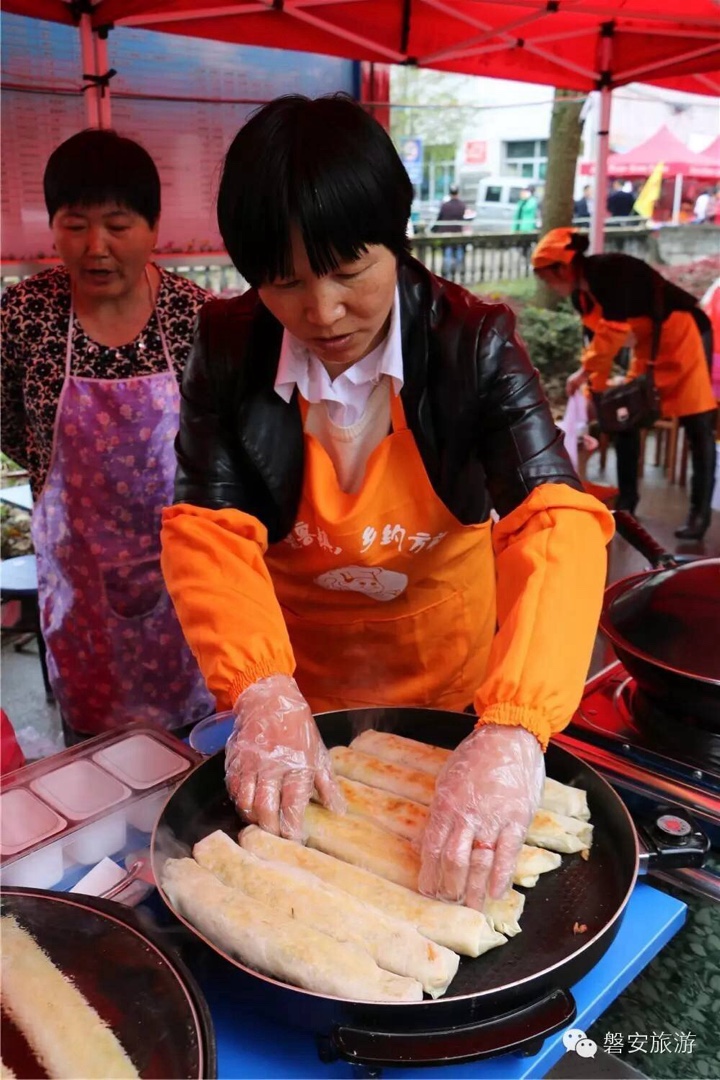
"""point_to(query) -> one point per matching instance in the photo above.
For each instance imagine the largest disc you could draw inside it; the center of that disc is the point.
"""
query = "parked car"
(497, 199)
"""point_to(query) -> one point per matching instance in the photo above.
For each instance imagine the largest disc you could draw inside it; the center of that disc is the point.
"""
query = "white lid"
(141, 761)
(80, 789)
(25, 821)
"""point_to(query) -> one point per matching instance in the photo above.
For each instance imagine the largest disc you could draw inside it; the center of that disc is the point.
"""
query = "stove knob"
(673, 826)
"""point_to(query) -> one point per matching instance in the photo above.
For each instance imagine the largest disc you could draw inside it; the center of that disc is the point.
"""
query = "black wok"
(664, 625)
(513, 996)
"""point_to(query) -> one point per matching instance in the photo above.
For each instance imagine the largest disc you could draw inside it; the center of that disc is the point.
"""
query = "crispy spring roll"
(420, 757)
(408, 819)
(276, 945)
(365, 844)
(457, 927)
(393, 944)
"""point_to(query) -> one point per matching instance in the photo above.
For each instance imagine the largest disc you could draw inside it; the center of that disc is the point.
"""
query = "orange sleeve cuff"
(551, 566)
(214, 568)
(598, 357)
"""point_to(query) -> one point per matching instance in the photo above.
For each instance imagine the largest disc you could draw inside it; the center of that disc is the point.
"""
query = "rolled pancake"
(408, 783)
(408, 819)
(457, 927)
(393, 944)
(532, 862)
(404, 817)
(556, 832)
(278, 946)
(563, 799)
(419, 757)
(408, 752)
(365, 844)
(504, 914)
(64, 1032)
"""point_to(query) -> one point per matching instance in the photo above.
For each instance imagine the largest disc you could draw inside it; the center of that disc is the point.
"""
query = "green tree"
(563, 149)
(442, 123)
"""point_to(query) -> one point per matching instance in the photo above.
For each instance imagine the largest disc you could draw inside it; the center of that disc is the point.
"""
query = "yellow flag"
(645, 202)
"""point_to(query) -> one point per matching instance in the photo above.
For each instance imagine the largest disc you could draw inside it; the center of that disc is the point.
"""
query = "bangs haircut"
(100, 166)
(322, 164)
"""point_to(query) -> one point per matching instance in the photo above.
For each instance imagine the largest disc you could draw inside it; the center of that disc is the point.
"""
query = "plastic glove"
(275, 757)
(485, 798)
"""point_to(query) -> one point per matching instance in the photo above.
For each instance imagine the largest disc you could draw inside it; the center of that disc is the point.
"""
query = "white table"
(19, 496)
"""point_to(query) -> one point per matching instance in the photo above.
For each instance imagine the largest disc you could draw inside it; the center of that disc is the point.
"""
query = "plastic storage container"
(63, 815)
(80, 790)
(141, 761)
(25, 821)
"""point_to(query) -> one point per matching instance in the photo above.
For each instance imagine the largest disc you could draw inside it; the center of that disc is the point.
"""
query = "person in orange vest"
(347, 428)
(618, 295)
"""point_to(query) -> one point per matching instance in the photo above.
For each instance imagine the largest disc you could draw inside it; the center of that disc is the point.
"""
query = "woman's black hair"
(100, 166)
(579, 243)
(323, 164)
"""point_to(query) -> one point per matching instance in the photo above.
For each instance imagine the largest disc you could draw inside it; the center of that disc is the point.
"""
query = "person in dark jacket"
(450, 220)
(620, 203)
(347, 428)
(582, 207)
(617, 296)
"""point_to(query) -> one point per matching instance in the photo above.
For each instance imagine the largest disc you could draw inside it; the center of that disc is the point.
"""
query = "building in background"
(495, 132)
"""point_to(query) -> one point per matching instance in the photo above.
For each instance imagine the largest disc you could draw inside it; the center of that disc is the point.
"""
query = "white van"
(497, 199)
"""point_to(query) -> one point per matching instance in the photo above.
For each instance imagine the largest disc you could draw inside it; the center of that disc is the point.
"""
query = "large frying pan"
(664, 625)
(515, 995)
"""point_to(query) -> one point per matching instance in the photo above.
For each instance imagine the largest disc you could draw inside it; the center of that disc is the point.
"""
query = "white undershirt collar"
(346, 397)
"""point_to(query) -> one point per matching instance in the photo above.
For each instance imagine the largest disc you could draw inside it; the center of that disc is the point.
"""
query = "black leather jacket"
(471, 397)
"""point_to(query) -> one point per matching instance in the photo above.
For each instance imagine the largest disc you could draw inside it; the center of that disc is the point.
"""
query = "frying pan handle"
(631, 530)
(522, 1030)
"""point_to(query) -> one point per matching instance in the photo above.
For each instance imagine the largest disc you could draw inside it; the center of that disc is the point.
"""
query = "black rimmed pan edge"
(511, 997)
(664, 625)
(129, 976)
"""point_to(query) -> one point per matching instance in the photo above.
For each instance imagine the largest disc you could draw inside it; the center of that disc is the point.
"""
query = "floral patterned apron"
(115, 650)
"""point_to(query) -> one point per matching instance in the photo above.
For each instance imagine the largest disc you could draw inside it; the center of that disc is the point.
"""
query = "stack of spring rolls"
(342, 916)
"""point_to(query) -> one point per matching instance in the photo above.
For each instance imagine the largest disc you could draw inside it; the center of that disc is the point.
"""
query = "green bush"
(553, 339)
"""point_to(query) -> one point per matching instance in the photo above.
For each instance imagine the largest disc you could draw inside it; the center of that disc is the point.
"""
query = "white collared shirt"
(347, 395)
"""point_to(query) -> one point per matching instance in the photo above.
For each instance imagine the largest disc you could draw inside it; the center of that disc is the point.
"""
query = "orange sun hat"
(557, 246)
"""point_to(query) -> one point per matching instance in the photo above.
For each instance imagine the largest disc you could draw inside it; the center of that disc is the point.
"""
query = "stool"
(18, 581)
(667, 435)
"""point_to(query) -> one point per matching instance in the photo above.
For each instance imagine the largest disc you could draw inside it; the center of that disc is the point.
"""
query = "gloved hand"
(275, 757)
(485, 798)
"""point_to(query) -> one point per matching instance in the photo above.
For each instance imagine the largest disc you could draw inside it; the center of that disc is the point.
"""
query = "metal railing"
(468, 258)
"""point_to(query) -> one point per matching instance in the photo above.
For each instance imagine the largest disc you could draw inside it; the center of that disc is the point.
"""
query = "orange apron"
(387, 598)
(681, 369)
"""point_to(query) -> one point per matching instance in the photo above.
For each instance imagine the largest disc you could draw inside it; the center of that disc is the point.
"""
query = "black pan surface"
(548, 954)
(146, 996)
(664, 626)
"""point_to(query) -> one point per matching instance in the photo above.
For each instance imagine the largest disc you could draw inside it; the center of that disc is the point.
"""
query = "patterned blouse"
(34, 331)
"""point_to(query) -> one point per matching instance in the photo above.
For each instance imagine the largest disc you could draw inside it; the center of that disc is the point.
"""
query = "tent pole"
(89, 67)
(597, 222)
(602, 146)
(677, 199)
(101, 57)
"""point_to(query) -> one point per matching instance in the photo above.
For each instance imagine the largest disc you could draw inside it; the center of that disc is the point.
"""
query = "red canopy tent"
(663, 146)
(575, 44)
(711, 153)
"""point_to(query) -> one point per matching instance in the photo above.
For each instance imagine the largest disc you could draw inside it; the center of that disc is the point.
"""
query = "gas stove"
(651, 760)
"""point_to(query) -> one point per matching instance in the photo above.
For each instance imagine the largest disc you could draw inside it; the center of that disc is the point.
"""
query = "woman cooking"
(346, 429)
(92, 351)
(616, 295)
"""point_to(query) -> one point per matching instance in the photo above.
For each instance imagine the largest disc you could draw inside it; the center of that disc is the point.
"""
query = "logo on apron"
(375, 582)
